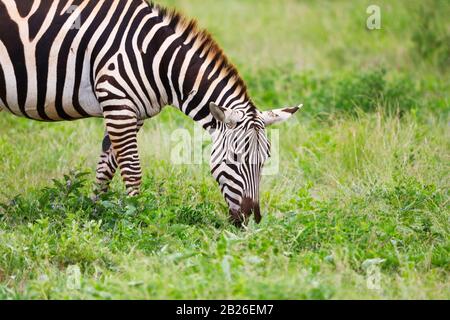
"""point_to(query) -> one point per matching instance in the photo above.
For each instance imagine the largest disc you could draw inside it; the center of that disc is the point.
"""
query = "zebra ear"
(279, 115)
(217, 112)
(228, 116)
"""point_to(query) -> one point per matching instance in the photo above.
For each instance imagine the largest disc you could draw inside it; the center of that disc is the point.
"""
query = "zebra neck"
(222, 89)
(200, 112)
(186, 68)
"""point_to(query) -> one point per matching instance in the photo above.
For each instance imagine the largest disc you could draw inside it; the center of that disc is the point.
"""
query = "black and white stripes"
(124, 60)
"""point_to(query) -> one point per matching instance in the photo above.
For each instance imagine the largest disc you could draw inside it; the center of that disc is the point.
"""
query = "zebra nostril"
(237, 218)
(241, 217)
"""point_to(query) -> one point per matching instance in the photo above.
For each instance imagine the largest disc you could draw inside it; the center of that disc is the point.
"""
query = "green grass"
(363, 181)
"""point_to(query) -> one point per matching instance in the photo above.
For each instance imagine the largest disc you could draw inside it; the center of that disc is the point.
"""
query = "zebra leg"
(122, 125)
(107, 165)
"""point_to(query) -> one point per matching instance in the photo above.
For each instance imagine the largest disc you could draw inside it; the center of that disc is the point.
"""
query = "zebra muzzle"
(241, 217)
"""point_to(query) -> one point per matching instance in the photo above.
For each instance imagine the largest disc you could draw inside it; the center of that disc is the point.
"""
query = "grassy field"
(358, 210)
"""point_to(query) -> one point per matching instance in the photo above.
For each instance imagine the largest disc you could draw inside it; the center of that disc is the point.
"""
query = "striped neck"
(210, 84)
(189, 68)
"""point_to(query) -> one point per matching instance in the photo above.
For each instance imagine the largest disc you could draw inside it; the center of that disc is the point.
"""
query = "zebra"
(124, 62)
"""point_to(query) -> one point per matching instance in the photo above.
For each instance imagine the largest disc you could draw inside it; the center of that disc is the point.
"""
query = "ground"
(359, 207)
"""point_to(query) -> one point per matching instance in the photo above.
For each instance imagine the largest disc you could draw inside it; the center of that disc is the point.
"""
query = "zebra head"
(240, 149)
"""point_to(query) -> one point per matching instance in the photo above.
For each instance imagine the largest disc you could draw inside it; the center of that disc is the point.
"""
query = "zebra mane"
(204, 42)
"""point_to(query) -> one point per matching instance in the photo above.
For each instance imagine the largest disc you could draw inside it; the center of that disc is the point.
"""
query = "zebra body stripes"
(124, 60)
